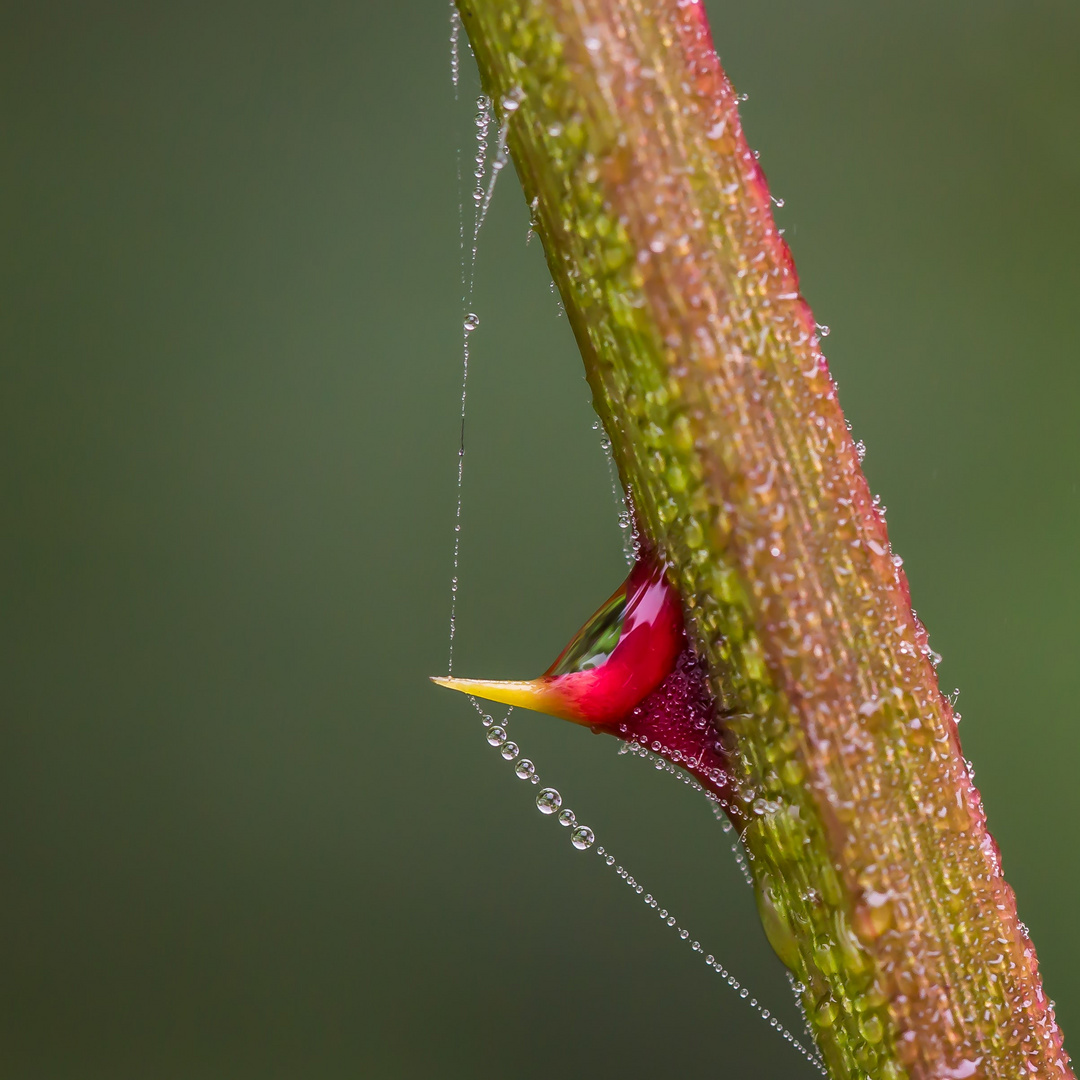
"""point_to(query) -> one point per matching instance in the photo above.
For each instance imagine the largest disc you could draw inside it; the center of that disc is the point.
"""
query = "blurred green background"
(240, 834)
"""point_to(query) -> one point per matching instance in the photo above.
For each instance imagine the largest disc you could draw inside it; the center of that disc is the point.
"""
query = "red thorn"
(629, 672)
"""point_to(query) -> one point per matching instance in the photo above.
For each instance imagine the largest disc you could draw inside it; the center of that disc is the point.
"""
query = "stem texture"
(877, 881)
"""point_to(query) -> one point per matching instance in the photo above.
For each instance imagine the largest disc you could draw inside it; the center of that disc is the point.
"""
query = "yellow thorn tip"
(536, 694)
(527, 695)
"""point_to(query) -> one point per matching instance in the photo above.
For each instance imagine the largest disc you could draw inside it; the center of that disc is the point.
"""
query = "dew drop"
(567, 818)
(472, 321)
(496, 736)
(582, 838)
(524, 769)
(510, 751)
(548, 801)
(512, 101)
(455, 56)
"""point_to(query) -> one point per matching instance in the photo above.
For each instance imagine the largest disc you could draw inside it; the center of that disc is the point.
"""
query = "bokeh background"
(240, 834)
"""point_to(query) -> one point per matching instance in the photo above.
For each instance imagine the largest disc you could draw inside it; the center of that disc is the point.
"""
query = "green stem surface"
(877, 881)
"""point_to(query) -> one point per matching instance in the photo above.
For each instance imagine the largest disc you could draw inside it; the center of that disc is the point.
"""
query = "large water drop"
(548, 801)
(582, 838)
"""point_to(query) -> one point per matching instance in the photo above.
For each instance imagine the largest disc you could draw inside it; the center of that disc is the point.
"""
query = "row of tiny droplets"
(631, 542)
(482, 195)
(716, 805)
(550, 803)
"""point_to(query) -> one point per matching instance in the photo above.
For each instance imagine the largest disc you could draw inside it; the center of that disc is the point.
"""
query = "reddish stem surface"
(877, 880)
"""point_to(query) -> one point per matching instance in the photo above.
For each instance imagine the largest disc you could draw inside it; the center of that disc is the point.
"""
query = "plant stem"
(877, 881)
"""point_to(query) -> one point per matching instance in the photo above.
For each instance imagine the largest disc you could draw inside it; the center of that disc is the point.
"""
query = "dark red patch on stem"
(679, 721)
(652, 690)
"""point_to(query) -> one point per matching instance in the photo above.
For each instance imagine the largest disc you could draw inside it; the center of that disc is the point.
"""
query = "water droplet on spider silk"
(567, 818)
(823, 330)
(496, 736)
(582, 838)
(548, 801)
(455, 56)
(472, 321)
(524, 769)
(510, 751)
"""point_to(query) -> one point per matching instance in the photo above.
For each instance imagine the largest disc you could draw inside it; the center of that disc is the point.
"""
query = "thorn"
(541, 695)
